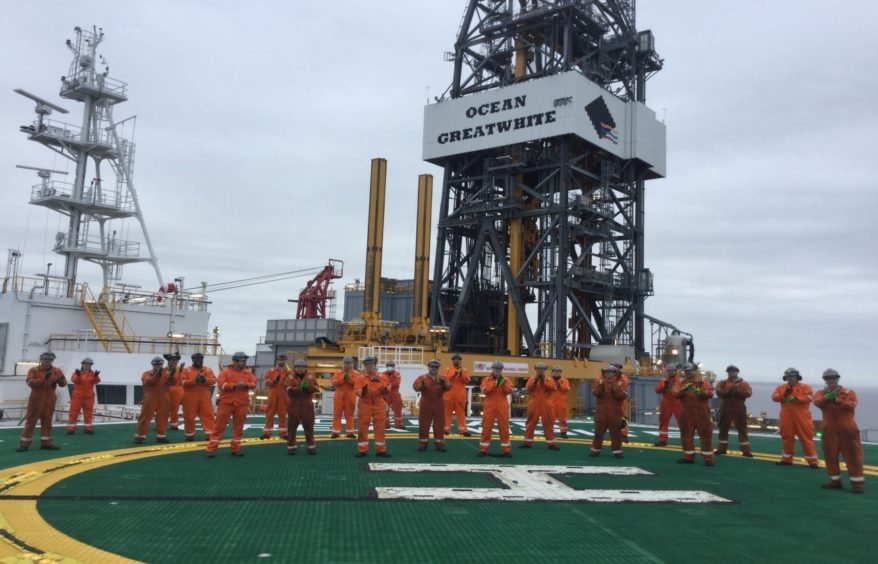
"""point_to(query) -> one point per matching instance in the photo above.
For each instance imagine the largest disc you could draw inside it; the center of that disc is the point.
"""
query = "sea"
(866, 413)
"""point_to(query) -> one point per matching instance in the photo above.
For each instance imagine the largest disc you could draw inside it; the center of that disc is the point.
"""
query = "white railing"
(399, 354)
(70, 133)
(94, 245)
(90, 195)
(87, 341)
(57, 287)
(89, 79)
(43, 286)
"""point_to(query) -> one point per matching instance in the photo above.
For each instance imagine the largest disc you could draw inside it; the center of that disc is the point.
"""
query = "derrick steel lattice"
(540, 243)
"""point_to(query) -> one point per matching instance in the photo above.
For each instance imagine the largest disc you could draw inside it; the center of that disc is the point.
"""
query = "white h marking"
(535, 483)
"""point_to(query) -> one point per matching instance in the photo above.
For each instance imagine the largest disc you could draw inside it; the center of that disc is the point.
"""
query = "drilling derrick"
(545, 143)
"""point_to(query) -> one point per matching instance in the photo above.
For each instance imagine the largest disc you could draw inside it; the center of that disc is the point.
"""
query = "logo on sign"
(602, 120)
(508, 367)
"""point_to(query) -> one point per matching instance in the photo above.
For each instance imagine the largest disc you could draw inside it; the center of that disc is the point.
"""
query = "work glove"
(242, 385)
(304, 384)
(788, 391)
(346, 376)
(830, 396)
(200, 379)
(733, 390)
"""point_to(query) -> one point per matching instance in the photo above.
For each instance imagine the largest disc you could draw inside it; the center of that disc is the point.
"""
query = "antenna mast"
(89, 202)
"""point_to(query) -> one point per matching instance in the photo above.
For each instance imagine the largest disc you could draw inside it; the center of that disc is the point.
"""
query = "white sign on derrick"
(562, 104)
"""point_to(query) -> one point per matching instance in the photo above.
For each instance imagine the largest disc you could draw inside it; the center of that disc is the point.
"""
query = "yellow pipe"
(374, 242)
(422, 250)
(513, 332)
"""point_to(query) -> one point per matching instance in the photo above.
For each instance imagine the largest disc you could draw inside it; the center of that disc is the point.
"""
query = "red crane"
(312, 299)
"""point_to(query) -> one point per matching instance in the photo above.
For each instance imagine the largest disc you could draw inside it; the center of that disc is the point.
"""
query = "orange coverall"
(175, 393)
(496, 408)
(795, 421)
(394, 399)
(83, 398)
(669, 406)
(234, 402)
(455, 398)
(155, 405)
(608, 414)
(733, 411)
(300, 408)
(559, 402)
(372, 409)
(344, 400)
(840, 434)
(695, 416)
(539, 408)
(277, 402)
(197, 401)
(41, 403)
(432, 410)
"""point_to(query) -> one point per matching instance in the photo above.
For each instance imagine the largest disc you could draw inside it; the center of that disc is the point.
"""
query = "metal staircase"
(110, 325)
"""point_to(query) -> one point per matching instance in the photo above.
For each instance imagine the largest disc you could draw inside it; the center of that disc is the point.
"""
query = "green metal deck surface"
(271, 506)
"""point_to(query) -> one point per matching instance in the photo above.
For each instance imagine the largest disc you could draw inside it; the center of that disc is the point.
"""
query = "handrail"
(108, 197)
(87, 301)
(120, 296)
(85, 341)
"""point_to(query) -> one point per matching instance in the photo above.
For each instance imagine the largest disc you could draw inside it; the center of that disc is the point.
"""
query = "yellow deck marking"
(23, 519)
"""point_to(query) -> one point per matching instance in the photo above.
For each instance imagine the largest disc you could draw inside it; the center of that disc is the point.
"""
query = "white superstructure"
(120, 326)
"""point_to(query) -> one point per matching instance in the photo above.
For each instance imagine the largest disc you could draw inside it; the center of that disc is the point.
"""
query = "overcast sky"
(256, 123)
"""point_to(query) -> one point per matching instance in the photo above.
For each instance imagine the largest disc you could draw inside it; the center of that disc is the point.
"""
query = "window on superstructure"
(110, 394)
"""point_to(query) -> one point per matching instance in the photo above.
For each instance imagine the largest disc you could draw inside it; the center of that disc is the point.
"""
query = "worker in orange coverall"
(795, 417)
(496, 389)
(432, 407)
(539, 408)
(559, 401)
(610, 389)
(83, 399)
(197, 381)
(455, 399)
(300, 387)
(394, 399)
(694, 394)
(156, 402)
(175, 390)
(42, 380)
(277, 398)
(734, 392)
(372, 388)
(670, 405)
(344, 401)
(234, 385)
(840, 432)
